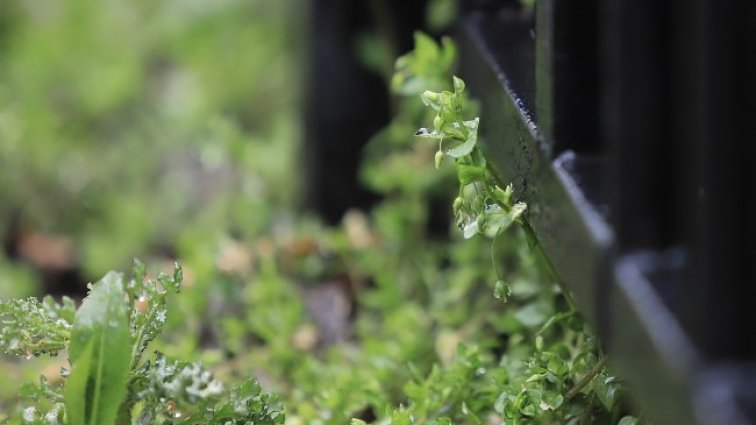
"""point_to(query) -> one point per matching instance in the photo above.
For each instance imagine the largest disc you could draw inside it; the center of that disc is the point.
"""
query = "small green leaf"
(628, 420)
(497, 221)
(401, 416)
(533, 314)
(432, 99)
(608, 390)
(100, 354)
(503, 195)
(469, 143)
(459, 85)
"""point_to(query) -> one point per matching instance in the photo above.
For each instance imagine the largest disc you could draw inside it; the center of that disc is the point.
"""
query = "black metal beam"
(621, 216)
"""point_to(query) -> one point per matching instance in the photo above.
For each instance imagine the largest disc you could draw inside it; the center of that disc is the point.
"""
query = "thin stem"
(586, 379)
(544, 262)
(495, 175)
(587, 413)
(493, 256)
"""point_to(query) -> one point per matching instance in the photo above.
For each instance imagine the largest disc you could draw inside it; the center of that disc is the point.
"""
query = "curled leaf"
(472, 138)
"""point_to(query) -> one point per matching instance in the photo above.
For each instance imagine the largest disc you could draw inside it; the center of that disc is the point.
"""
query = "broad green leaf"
(100, 354)
(77, 407)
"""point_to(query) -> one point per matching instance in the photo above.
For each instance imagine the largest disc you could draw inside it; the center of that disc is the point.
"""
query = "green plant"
(381, 320)
(108, 381)
(565, 375)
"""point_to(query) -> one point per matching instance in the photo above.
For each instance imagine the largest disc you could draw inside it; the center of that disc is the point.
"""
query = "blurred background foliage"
(129, 128)
(172, 130)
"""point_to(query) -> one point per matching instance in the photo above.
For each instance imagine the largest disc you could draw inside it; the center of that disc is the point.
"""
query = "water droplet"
(141, 304)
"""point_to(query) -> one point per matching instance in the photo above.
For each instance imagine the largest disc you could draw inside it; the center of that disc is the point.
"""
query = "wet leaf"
(100, 354)
(472, 138)
(608, 390)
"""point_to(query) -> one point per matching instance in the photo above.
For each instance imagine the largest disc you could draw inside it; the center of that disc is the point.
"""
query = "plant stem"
(586, 379)
(545, 264)
(535, 245)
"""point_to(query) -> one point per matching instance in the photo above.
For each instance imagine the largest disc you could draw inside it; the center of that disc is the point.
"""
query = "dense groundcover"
(169, 132)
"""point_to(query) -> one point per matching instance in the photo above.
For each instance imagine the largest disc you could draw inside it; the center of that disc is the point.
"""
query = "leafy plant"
(108, 383)
(562, 378)
(385, 319)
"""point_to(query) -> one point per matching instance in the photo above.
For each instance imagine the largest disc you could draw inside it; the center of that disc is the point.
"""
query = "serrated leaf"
(100, 354)
(401, 417)
(29, 327)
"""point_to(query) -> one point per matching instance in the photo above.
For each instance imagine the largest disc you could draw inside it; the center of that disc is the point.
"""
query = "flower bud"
(438, 158)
